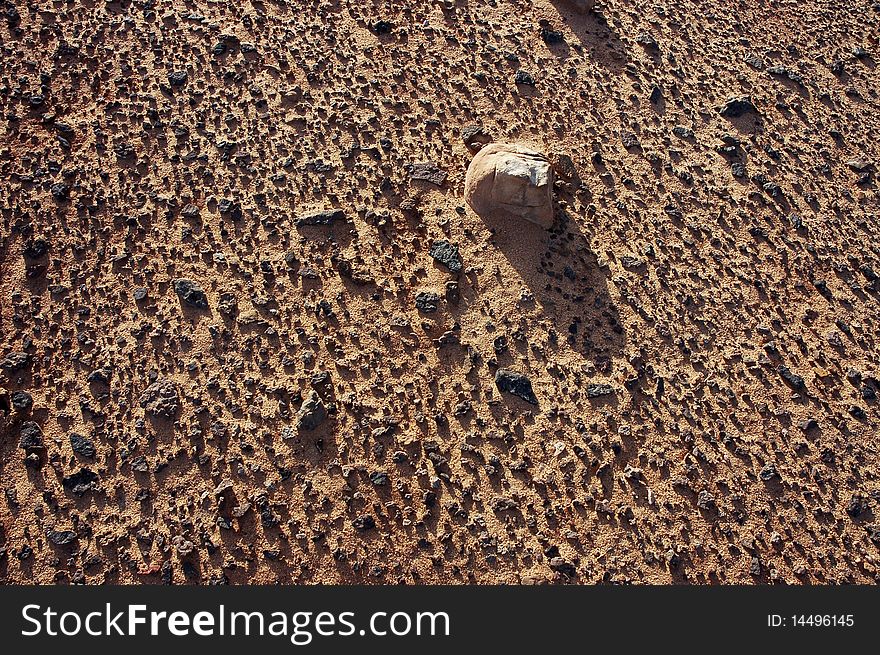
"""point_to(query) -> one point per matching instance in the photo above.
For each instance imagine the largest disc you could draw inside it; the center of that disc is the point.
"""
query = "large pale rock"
(505, 179)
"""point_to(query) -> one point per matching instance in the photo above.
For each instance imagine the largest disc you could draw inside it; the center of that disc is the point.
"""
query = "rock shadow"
(595, 35)
(562, 276)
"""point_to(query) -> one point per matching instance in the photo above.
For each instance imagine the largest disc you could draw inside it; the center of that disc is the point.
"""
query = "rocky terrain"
(251, 332)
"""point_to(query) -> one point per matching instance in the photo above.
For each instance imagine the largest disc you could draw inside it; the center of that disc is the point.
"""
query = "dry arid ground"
(228, 354)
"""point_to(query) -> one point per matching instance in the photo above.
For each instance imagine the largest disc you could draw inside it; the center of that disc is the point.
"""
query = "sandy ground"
(699, 326)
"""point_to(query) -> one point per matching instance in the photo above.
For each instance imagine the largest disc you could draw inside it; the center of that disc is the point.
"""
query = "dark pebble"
(81, 445)
(191, 293)
(516, 384)
(446, 254)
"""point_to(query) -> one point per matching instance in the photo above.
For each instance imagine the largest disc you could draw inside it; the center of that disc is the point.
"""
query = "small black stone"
(61, 537)
(99, 376)
(523, 77)
(857, 412)
(515, 383)
(140, 464)
(768, 473)
(230, 208)
(447, 254)
(59, 191)
(551, 36)
(682, 131)
(559, 565)
(22, 401)
(647, 41)
(312, 413)
(160, 399)
(327, 217)
(793, 379)
(426, 301)
(857, 505)
(36, 249)
(755, 567)
(80, 482)
(383, 27)
(656, 95)
(808, 424)
(365, 522)
(599, 390)
(191, 293)
(81, 445)
(736, 107)
(30, 436)
(706, 501)
(427, 171)
(177, 78)
(15, 361)
(475, 133)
